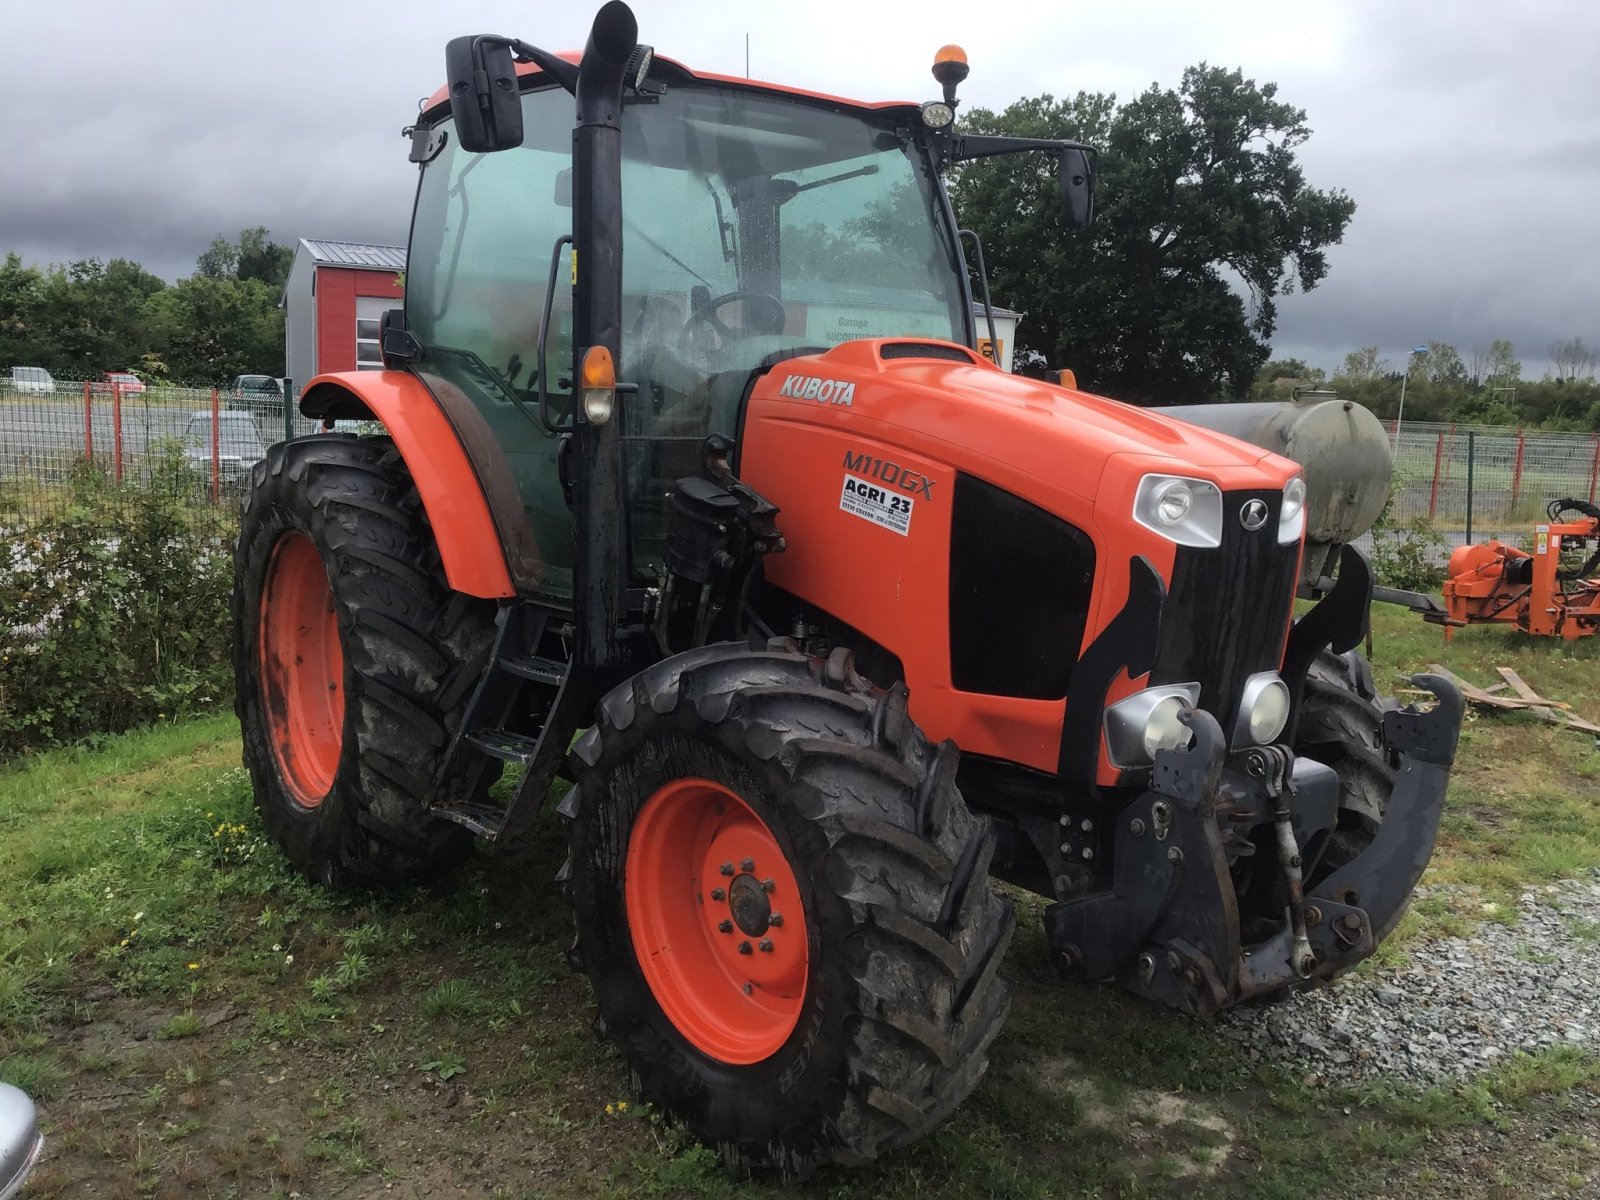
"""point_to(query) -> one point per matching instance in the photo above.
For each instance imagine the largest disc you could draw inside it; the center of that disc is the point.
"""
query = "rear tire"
(343, 785)
(890, 1029)
(1341, 725)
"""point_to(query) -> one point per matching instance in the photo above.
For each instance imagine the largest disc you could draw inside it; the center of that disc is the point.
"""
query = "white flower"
(287, 959)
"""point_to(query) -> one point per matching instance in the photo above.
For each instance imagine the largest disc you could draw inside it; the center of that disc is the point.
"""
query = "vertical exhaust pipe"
(601, 570)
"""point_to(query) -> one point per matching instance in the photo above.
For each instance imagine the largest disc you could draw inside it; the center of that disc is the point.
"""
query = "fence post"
(1472, 454)
(116, 432)
(88, 422)
(1516, 475)
(1433, 494)
(216, 449)
(288, 410)
(1594, 467)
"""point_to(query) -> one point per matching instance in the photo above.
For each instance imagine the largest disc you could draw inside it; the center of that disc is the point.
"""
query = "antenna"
(747, 56)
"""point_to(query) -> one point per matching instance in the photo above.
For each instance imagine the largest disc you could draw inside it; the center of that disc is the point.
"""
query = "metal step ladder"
(522, 678)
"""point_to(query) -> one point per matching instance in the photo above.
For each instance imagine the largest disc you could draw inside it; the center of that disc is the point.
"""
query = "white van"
(32, 381)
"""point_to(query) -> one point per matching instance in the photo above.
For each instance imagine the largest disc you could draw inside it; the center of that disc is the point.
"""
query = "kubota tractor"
(686, 445)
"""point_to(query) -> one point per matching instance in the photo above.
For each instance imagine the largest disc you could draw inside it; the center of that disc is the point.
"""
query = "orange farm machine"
(693, 490)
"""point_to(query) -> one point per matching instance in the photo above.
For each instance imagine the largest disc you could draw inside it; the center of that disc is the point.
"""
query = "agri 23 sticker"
(877, 504)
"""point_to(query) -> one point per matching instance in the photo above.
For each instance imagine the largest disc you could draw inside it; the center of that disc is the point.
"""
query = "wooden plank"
(1520, 686)
(1476, 695)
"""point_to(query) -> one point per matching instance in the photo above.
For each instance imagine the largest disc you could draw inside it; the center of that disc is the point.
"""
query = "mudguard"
(448, 481)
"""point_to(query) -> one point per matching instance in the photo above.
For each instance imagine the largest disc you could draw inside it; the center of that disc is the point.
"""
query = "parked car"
(32, 381)
(130, 383)
(256, 388)
(20, 1140)
(240, 445)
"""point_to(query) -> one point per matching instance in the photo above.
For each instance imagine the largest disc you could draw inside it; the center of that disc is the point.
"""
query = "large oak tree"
(1204, 220)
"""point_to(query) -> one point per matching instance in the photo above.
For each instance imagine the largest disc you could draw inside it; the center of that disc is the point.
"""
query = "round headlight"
(1173, 502)
(936, 115)
(1269, 712)
(1163, 730)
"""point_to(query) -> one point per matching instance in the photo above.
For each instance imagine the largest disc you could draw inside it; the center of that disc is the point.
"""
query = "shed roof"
(361, 255)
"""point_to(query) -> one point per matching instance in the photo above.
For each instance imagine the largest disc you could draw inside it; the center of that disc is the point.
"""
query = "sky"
(1467, 132)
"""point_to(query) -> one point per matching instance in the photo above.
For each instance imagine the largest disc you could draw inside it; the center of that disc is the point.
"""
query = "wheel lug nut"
(766, 945)
(744, 947)
(775, 919)
(718, 894)
(725, 927)
(748, 864)
(767, 885)
(727, 868)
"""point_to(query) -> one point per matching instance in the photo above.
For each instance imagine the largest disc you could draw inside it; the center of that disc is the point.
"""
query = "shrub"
(113, 608)
(1407, 554)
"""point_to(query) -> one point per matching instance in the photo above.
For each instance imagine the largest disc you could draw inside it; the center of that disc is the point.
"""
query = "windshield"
(752, 224)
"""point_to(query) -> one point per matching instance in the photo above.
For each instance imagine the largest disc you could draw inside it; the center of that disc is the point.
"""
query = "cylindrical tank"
(1341, 446)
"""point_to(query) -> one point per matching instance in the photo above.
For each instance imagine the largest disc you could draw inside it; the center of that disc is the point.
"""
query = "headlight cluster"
(1189, 511)
(1139, 725)
(1292, 516)
(1186, 511)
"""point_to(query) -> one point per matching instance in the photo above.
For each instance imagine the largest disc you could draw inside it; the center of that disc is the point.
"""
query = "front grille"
(1226, 609)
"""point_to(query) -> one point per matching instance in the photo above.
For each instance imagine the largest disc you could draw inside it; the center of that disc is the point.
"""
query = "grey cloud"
(1468, 133)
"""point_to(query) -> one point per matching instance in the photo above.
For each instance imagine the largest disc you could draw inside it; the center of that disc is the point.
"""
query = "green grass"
(190, 1011)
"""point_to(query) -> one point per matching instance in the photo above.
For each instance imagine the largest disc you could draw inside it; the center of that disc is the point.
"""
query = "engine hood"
(947, 397)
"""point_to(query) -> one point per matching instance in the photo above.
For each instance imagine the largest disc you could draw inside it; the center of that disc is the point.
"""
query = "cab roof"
(669, 71)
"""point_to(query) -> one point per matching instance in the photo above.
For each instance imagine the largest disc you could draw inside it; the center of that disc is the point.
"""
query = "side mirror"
(1077, 187)
(483, 93)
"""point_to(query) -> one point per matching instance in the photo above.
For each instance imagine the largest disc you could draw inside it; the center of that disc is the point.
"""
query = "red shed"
(333, 303)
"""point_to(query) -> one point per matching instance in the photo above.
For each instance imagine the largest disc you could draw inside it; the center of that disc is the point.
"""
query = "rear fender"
(450, 483)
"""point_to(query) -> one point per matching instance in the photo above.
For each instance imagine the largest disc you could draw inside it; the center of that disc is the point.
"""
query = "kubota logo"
(823, 391)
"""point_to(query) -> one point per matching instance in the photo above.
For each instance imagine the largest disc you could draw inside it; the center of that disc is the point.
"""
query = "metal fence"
(1473, 482)
(1469, 482)
(201, 439)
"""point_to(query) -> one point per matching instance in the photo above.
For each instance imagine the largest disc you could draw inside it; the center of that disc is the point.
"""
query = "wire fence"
(1474, 482)
(201, 440)
(1467, 482)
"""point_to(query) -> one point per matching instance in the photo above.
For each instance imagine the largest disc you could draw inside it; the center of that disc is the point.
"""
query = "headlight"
(1263, 711)
(1292, 516)
(936, 115)
(1186, 511)
(1139, 725)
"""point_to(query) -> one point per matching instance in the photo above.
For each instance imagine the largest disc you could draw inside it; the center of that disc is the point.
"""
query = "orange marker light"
(950, 53)
(598, 381)
(950, 68)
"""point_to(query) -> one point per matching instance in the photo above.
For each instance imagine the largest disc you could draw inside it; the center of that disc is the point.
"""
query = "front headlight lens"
(1162, 728)
(1292, 516)
(1139, 725)
(1182, 510)
(1263, 710)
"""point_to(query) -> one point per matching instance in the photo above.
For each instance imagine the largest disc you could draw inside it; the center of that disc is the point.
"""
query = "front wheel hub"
(715, 914)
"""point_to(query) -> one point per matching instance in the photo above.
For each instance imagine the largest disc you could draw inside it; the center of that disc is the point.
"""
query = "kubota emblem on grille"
(1253, 515)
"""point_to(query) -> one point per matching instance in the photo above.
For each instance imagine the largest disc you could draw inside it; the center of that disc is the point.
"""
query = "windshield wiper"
(793, 189)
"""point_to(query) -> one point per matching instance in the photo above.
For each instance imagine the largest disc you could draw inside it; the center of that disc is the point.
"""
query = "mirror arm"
(559, 69)
(971, 145)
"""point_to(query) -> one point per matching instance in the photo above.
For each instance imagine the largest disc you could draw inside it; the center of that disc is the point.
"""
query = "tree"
(220, 260)
(262, 259)
(1279, 377)
(1572, 360)
(211, 329)
(1363, 365)
(1442, 364)
(1202, 206)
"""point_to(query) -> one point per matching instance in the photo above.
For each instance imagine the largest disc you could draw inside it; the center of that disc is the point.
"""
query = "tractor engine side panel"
(869, 528)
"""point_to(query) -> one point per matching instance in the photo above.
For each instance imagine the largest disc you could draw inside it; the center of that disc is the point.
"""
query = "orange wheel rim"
(302, 669)
(717, 924)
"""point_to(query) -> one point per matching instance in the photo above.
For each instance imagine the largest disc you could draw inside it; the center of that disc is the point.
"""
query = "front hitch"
(1169, 927)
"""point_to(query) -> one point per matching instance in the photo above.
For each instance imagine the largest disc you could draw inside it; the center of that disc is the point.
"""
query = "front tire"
(1341, 726)
(865, 1017)
(353, 661)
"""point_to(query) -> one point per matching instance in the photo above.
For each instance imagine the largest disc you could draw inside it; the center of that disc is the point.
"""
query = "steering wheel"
(769, 321)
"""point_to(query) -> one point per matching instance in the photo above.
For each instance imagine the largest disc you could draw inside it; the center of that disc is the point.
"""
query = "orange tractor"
(687, 446)
(1551, 592)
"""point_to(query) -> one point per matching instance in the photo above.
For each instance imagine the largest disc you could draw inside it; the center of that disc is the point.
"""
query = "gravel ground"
(1456, 1007)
